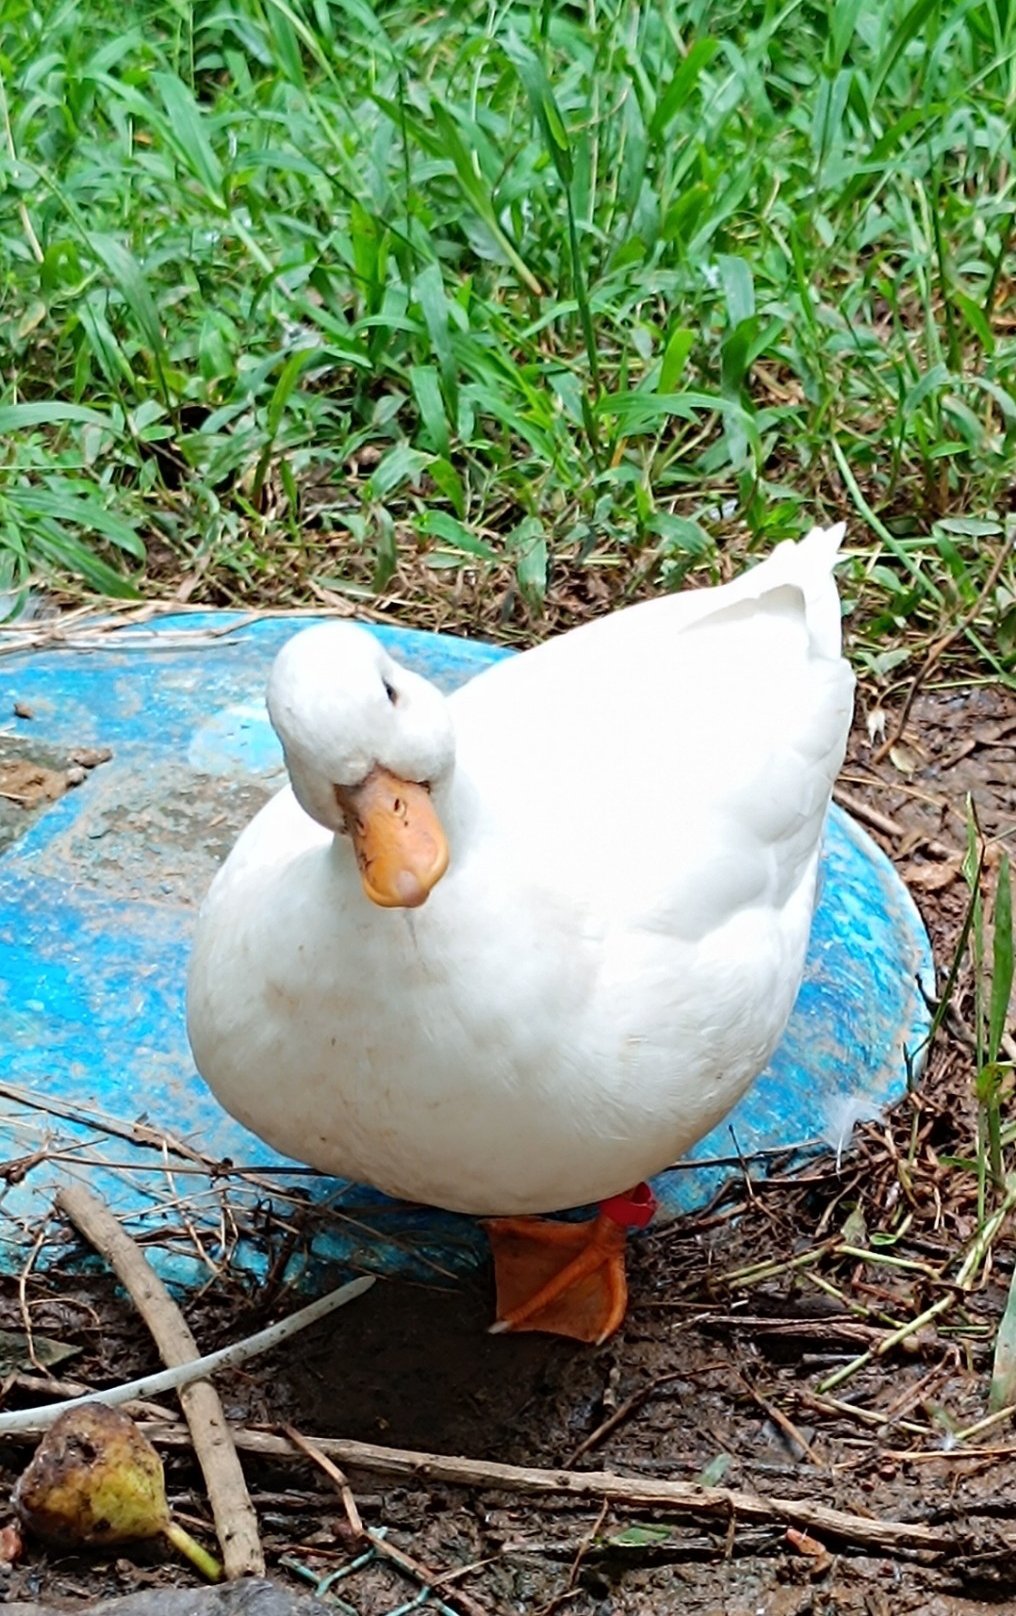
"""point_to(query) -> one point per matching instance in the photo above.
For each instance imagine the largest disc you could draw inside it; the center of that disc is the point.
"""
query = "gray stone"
(251, 1597)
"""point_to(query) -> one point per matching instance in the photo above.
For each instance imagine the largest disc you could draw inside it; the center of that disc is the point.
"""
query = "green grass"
(300, 291)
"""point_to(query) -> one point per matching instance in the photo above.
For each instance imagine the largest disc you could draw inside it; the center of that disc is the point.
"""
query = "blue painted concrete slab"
(97, 905)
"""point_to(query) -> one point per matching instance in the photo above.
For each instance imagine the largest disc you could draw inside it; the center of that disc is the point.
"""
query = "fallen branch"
(727, 1504)
(236, 1523)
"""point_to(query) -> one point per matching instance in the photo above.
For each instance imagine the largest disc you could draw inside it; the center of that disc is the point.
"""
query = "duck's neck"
(454, 800)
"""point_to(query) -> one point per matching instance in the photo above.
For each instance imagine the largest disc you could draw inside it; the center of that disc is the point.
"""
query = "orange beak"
(397, 837)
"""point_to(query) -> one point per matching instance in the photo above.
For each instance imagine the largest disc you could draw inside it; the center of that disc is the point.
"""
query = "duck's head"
(365, 740)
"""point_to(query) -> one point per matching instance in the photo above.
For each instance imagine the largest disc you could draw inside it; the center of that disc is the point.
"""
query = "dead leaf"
(802, 1543)
(11, 1543)
(366, 458)
(905, 757)
(932, 877)
(855, 1230)
(16, 1353)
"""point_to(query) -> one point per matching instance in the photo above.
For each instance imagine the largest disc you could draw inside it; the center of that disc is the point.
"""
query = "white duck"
(515, 950)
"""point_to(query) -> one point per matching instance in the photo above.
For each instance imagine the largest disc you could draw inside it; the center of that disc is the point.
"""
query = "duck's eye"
(391, 693)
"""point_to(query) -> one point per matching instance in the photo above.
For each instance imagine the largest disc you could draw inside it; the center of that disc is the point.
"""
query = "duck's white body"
(634, 820)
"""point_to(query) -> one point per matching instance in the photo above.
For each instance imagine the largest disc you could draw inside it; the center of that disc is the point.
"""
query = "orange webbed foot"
(566, 1278)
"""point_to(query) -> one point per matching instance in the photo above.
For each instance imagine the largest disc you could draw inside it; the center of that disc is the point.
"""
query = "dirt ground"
(739, 1317)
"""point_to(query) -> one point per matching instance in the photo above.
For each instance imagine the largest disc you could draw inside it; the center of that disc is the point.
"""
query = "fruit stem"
(206, 1563)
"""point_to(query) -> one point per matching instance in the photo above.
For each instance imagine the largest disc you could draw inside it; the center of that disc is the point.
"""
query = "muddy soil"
(720, 1374)
(33, 776)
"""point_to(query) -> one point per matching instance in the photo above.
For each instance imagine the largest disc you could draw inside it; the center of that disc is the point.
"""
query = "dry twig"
(58, 1386)
(422, 1573)
(725, 1503)
(978, 1252)
(869, 816)
(349, 1506)
(235, 1521)
(620, 1414)
(938, 649)
(795, 1437)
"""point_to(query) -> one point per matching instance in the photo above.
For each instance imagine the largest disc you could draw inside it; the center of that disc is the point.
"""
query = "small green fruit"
(96, 1480)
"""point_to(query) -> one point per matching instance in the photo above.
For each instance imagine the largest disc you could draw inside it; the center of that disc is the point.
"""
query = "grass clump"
(294, 290)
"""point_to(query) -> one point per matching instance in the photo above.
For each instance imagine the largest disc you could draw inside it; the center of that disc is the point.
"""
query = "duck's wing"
(675, 760)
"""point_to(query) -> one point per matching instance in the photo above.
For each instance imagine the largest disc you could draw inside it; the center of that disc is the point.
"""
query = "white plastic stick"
(30, 1420)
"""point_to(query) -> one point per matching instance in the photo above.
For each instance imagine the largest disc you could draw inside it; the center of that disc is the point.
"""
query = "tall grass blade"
(1003, 1367)
(1002, 959)
(130, 282)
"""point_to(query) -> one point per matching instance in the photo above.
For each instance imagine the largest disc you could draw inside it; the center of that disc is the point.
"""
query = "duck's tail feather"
(808, 565)
(794, 581)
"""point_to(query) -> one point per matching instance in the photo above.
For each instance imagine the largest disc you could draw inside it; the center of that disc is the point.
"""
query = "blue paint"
(97, 907)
